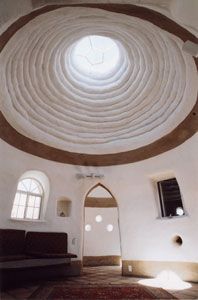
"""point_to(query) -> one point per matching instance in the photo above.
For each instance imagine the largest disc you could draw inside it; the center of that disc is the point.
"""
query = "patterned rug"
(100, 292)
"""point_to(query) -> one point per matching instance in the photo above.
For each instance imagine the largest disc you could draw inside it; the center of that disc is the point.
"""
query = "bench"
(26, 256)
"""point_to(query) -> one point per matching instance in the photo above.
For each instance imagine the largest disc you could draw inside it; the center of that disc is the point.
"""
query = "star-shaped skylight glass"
(96, 56)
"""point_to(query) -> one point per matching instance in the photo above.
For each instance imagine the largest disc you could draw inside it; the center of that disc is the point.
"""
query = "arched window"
(28, 199)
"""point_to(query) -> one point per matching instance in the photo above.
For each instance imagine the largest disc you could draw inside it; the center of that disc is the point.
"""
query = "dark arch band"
(180, 134)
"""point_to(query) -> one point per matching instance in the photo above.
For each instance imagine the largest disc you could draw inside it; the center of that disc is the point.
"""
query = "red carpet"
(101, 292)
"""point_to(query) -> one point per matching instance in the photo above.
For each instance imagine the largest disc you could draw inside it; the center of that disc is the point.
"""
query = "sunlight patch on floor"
(167, 280)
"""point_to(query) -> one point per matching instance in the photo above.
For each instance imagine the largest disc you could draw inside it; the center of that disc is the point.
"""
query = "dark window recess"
(170, 198)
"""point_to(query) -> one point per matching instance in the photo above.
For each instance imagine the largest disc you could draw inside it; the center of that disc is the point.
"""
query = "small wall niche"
(177, 240)
(64, 207)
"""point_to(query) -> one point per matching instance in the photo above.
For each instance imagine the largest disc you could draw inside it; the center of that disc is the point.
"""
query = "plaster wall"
(185, 12)
(182, 11)
(144, 236)
(9, 9)
(99, 241)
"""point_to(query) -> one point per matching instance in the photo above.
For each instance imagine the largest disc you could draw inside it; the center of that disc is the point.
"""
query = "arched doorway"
(102, 245)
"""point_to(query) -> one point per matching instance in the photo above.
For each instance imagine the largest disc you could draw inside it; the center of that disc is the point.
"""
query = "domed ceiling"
(86, 80)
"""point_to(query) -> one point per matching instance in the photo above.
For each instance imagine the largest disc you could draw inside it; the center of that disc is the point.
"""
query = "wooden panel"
(185, 270)
(100, 202)
(111, 260)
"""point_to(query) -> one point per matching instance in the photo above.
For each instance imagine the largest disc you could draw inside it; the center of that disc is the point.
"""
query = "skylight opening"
(96, 56)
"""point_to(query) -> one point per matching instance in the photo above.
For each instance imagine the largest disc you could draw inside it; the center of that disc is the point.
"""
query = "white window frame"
(28, 194)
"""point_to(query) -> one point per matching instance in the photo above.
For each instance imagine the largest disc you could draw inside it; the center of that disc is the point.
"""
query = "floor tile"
(95, 276)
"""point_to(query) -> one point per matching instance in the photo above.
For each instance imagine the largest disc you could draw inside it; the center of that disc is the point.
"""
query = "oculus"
(96, 56)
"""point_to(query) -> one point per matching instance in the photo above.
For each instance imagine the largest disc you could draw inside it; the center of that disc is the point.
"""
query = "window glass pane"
(31, 200)
(36, 213)
(27, 183)
(20, 212)
(37, 202)
(21, 186)
(22, 200)
(29, 212)
(170, 197)
(16, 199)
(14, 211)
(35, 188)
(27, 199)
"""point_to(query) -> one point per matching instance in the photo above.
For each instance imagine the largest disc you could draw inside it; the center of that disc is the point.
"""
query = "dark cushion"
(12, 242)
(52, 255)
(12, 257)
(46, 242)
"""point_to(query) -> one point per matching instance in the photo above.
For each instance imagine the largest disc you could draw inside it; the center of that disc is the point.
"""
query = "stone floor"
(96, 276)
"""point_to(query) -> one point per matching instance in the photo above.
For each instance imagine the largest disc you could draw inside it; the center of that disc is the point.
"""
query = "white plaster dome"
(130, 86)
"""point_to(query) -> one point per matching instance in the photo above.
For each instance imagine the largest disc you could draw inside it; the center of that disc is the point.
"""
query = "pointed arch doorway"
(102, 242)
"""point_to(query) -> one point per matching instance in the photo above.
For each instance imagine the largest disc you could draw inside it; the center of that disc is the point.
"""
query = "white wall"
(185, 12)
(99, 241)
(62, 183)
(99, 192)
(9, 9)
(143, 235)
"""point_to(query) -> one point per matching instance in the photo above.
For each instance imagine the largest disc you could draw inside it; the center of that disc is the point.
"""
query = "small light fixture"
(89, 175)
(190, 48)
(98, 218)
(109, 227)
(87, 227)
(179, 211)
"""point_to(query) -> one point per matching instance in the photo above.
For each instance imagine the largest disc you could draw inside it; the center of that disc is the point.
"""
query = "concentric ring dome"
(52, 96)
